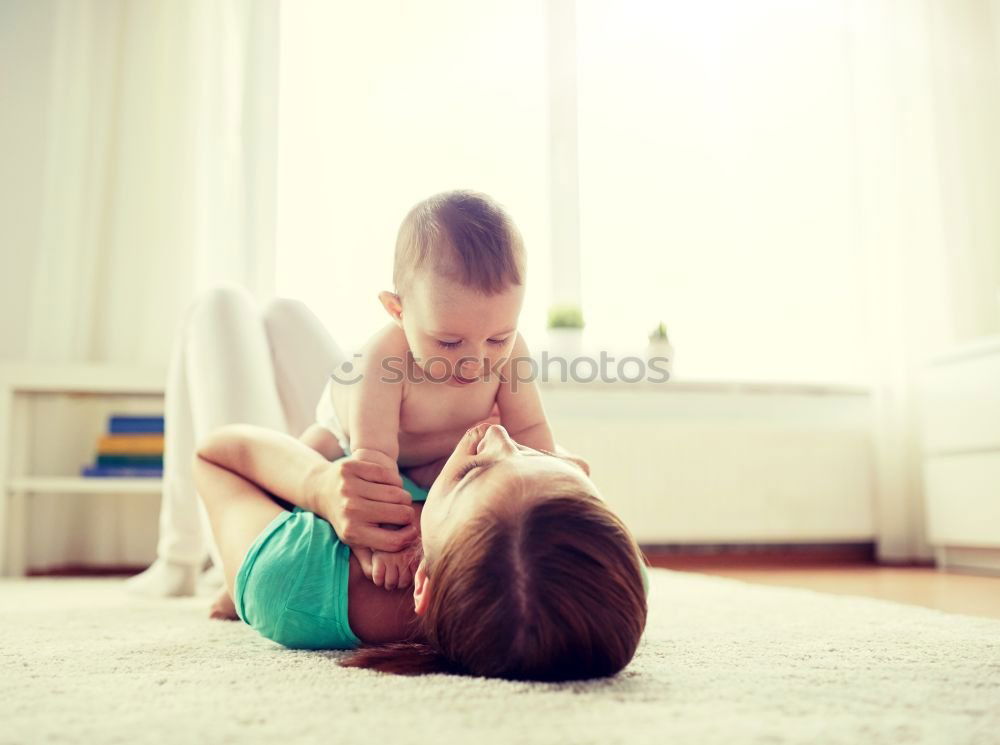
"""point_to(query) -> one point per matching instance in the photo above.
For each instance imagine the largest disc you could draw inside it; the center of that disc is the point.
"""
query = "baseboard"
(80, 570)
(666, 556)
(763, 556)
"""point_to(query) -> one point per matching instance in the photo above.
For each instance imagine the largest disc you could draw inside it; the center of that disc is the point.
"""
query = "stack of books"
(133, 448)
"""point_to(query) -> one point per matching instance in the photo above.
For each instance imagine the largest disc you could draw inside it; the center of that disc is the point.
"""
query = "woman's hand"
(356, 496)
(564, 453)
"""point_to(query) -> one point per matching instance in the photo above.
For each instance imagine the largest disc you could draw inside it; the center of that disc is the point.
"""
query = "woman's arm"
(354, 496)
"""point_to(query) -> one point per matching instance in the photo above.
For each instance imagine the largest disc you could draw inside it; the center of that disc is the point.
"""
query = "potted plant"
(660, 346)
(565, 331)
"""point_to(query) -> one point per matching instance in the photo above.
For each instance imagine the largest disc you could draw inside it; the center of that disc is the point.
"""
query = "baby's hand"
(395, 570)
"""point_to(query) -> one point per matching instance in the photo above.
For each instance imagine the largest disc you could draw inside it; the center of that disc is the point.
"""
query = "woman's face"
(487, 467)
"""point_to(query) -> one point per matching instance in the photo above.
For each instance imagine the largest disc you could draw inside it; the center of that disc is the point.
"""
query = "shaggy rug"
(722, 662)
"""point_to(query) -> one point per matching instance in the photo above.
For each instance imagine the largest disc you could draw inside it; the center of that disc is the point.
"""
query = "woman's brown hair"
(549, 591)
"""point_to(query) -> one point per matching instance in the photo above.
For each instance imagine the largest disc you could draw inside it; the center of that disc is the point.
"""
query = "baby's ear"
(392, 304)
(421, 588)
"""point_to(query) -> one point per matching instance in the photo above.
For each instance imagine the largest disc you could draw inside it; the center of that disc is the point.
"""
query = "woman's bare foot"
(223, 608)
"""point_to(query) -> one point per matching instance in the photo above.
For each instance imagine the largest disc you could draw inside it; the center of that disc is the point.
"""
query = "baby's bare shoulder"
(519, 354)
(388, 341)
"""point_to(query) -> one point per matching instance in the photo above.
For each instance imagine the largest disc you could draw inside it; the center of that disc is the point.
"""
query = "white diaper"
(326, 416)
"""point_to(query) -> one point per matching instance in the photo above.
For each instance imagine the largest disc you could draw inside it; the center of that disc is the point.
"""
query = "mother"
(525, 573)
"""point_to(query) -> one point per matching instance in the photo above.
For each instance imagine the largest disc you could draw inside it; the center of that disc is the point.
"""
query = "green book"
(131, 461)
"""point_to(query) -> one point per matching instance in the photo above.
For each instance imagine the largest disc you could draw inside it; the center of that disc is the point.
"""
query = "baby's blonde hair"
(464, 235)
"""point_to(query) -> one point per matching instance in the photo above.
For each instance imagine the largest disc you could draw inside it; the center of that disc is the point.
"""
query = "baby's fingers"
(364, 556)
(405, 578)
(391, 575)
(378, 571)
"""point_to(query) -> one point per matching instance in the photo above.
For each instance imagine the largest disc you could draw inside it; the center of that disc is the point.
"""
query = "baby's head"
(459, 274)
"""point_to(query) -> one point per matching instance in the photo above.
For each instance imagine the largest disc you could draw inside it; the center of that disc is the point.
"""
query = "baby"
(451, 357)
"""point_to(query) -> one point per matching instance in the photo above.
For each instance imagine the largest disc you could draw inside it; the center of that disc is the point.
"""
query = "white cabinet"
(960, 411)
(22, 388)
(725, 463)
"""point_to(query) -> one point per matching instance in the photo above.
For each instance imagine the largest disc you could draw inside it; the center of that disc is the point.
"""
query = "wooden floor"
(953, 592)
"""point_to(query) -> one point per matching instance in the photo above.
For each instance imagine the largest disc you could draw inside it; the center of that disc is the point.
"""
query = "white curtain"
(158, 182)
(926, 80)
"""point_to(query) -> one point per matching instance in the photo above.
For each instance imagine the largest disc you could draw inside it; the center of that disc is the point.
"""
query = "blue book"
(121, 472)
(124, 424)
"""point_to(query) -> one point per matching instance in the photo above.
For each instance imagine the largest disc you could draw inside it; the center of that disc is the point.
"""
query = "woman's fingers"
(372, 472)
(367, 511)
(380, 492)
(565, 454)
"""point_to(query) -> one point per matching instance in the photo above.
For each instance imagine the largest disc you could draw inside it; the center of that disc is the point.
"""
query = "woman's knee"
(225, 300)
(284, 312)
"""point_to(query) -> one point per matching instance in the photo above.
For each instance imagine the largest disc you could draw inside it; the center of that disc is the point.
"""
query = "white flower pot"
(660, 349)
(565, 343)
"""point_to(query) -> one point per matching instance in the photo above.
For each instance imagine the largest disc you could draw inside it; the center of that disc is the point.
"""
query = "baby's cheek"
(438, 367)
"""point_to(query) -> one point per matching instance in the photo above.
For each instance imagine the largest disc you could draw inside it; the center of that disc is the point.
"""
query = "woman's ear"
(421, 588)
(392, 304)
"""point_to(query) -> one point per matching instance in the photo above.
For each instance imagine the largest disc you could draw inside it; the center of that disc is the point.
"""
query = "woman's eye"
(466, 469)
(448, 344)
(499, 342)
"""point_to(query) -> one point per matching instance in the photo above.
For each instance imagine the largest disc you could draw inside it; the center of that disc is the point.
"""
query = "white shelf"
(25, 390)
(113, 380)
(79, 485)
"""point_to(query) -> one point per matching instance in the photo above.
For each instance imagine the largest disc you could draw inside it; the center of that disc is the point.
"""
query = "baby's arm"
(321, 440)
(520, 404)
(375, 400)
(375, 403)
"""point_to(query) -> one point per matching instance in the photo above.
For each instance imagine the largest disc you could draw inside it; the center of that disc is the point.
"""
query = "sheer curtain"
(803, 191)
(158, 174)
(926, 78)
(158, 182)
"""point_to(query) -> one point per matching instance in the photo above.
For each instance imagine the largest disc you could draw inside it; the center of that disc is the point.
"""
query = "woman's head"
(526, 573)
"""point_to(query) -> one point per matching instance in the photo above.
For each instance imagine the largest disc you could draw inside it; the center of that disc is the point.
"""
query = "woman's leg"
(221, 372)
(304, 356)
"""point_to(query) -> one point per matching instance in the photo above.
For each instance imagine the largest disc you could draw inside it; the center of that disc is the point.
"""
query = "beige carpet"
(722, 662)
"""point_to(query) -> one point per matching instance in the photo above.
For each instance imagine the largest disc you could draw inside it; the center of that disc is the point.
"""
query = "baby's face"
(458, 335)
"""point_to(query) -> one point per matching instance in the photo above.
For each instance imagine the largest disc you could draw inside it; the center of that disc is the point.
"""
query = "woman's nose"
(497, 441)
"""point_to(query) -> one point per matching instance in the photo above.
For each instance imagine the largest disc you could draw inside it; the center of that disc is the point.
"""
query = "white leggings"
(232, 362)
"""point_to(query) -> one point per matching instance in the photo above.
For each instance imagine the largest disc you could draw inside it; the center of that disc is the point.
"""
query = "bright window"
(715, 164)
(716, 186)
